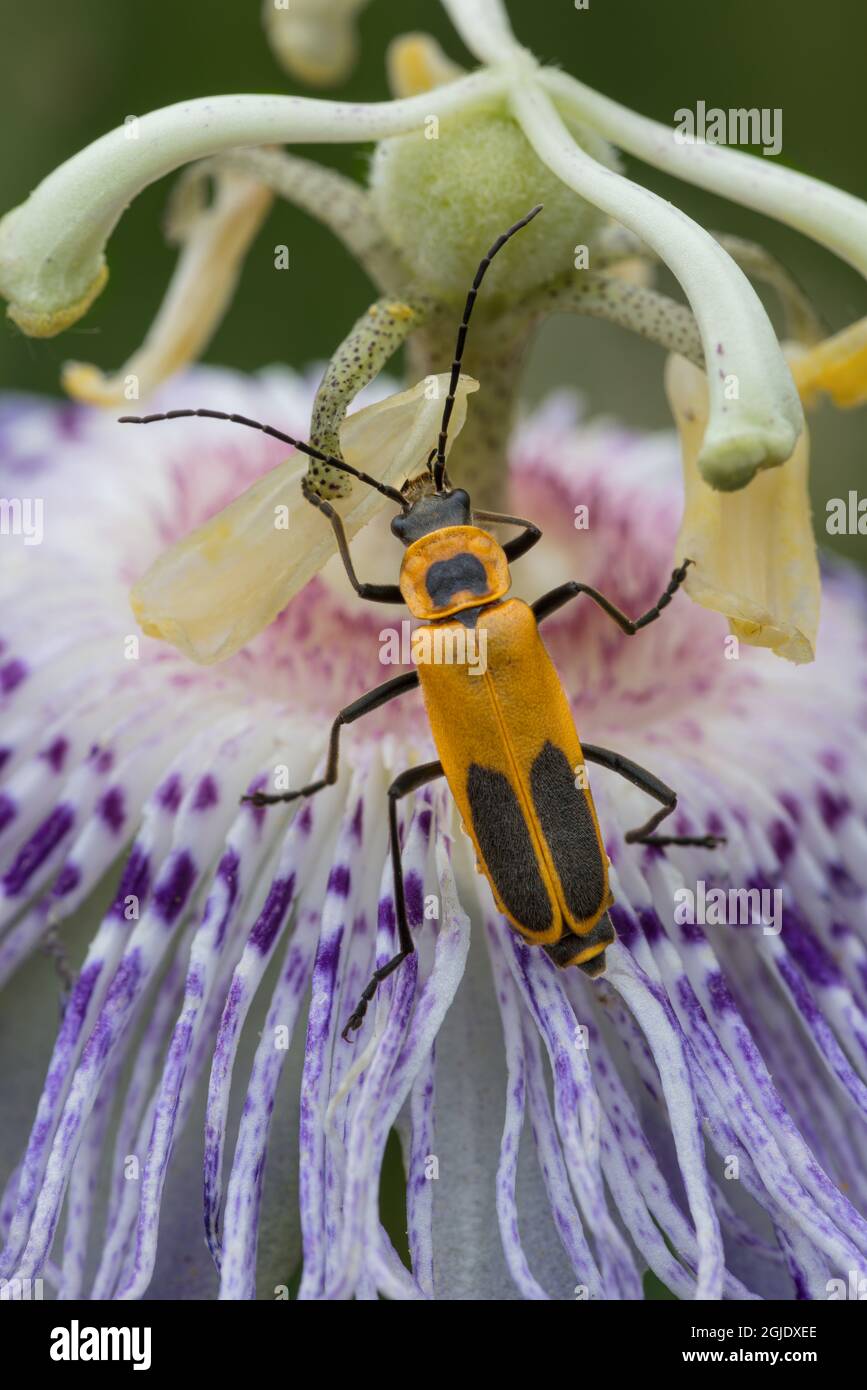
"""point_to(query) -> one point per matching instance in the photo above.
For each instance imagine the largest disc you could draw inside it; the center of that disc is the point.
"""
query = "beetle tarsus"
(354, 1022)
(272, 798)
(356, 1018)
(265, 799)
(661, 841)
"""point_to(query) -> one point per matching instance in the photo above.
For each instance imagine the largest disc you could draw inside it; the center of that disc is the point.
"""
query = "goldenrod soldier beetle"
(506, 739)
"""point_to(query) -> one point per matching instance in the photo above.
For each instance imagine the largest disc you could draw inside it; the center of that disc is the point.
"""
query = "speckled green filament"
(373, 339)
(644, 311)
(338, 202)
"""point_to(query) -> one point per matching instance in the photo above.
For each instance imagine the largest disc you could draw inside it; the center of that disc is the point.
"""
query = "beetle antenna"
(275, 434)
(439, 470)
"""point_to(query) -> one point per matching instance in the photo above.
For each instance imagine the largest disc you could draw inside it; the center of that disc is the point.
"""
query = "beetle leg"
(364, 705)
(550, 602)
(408, 781)
(374, 593)
(518, 545)
(640, 777)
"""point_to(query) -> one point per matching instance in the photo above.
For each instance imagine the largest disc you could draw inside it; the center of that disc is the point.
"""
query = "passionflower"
(697, 1113)
(693, 1113)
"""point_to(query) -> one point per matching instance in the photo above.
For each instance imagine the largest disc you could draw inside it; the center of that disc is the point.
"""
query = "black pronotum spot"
(445, 578)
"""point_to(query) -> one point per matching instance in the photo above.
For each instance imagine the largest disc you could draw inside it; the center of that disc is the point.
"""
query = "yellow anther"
(416, 63)
(837, 367)
(214, 244)
(399, 310)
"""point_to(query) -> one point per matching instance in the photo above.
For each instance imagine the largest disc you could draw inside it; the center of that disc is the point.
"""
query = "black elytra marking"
(462, 572)
(506, 847)
(594, 967)
(568, 827)
(570, 945)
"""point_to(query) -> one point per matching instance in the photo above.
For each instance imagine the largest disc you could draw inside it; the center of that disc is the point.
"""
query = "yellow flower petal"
(753, 550)
(218, 587)
(837, 366)
(215, 243)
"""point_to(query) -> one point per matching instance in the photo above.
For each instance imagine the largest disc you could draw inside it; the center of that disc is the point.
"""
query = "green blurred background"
(71, 71)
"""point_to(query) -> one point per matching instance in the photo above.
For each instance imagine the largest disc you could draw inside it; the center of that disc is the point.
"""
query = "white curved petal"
(831, 217)
(52, 263)
(485, 29)
(755, 413)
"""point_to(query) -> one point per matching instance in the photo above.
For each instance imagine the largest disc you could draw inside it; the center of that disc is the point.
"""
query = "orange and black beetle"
(506, 738)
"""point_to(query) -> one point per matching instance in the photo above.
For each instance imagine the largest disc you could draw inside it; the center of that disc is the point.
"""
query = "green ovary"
(444, 201)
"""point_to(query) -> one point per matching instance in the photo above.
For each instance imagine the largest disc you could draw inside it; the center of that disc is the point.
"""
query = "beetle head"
(432, 511)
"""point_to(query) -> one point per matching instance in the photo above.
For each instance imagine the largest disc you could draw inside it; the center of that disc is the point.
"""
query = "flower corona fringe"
(699, 1112)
